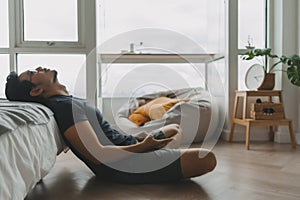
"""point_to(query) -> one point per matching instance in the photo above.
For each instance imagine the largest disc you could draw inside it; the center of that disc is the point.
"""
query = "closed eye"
(30, 73)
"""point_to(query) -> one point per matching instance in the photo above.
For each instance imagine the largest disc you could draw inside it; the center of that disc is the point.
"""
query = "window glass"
(126, 80)
(202, 21)
(50, 20)
(71, 69)
(4, 68)
(252, 31)
(252, 23)
(4, 39)
(160, 27)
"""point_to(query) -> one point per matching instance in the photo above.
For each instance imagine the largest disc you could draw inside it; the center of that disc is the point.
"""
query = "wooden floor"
(267, 171)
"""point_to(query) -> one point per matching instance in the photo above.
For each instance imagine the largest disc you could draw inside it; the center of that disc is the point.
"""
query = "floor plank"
(267, 171)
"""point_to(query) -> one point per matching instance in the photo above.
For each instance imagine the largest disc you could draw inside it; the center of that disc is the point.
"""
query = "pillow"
(139, 119)
(153, 110)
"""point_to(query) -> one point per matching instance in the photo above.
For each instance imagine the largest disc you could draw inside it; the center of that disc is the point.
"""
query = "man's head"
(31, 85)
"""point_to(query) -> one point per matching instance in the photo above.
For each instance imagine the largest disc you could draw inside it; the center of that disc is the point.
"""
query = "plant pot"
(268, 83)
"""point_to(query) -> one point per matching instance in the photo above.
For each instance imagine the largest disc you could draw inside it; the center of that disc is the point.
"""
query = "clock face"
(254, 76)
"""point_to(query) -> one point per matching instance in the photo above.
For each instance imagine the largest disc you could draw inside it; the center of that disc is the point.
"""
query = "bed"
(29, 144)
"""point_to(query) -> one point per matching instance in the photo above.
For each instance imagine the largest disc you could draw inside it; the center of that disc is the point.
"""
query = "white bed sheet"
(27, 154)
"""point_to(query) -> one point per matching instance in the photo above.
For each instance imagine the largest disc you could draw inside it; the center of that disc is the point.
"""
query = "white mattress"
(27, 154)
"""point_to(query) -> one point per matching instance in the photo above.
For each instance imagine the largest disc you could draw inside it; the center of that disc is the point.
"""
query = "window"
(49, 33)
(251, 32)
(200, 21)
(252, 23)
(71, 69)
(52, 20)
(157, 27)
(50, 23)
(123, 80)
(4, 68)
(4, 30)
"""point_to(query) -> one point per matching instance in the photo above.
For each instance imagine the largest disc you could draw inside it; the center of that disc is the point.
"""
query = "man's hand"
(141, 136)
(150, 143)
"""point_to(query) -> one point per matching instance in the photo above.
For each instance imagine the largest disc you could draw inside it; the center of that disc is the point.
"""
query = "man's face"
(39, 76)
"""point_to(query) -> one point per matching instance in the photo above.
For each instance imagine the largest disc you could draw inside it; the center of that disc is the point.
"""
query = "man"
(110, 154)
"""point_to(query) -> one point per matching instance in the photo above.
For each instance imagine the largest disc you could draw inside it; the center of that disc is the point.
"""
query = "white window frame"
(19, 30)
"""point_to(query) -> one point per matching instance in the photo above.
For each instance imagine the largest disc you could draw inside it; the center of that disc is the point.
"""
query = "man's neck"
(58, 89)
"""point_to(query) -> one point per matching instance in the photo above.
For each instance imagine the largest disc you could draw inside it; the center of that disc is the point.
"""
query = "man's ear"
(37, 91)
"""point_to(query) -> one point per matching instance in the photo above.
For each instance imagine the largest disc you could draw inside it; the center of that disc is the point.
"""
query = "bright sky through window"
(199, 20)
(252, 23)
(4, 69)
(4, 23)
(50, 20)
(169, 26)
(252, 30)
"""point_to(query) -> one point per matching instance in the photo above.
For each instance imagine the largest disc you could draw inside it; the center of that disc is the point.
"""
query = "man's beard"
(54, 76)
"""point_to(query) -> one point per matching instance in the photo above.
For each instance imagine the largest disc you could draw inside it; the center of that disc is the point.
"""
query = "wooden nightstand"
(248, 122)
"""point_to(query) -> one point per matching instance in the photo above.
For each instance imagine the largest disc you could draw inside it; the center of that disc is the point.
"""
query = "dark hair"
(16, 90)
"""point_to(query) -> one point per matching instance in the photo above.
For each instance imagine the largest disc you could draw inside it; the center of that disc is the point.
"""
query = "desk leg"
(271, 133)
(292, 136)
(247, 136)
(231, 131)
(236, 102)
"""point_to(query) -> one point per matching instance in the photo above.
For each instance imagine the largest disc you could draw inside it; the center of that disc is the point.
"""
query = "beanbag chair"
(193, 116)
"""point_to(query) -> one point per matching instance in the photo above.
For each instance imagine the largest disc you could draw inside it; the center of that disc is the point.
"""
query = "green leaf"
(273, 56)
(267, 51)
(283, 59)
(293, 74)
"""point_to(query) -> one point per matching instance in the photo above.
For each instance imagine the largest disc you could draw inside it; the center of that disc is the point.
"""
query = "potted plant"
(291, 64)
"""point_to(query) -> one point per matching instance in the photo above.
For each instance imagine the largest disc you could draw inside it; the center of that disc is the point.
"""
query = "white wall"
(285, 42)
(298, 103)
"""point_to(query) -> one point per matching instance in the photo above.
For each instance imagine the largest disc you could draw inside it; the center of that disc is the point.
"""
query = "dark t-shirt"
(69, 110)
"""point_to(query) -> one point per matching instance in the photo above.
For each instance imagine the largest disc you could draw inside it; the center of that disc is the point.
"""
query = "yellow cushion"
(139, 119)
(153, 110)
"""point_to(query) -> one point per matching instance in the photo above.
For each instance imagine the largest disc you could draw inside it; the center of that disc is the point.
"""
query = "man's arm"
(82, 137)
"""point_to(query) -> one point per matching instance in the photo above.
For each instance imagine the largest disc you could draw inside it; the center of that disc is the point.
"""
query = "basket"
(266, 110)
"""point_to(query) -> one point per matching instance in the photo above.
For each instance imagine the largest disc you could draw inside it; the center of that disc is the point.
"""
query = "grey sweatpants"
(152, 167)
